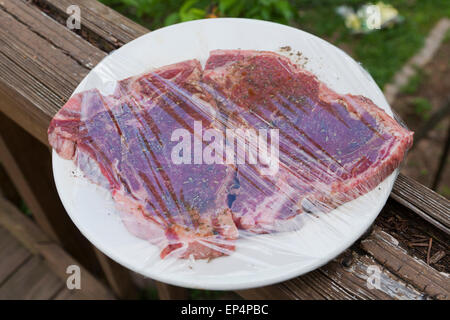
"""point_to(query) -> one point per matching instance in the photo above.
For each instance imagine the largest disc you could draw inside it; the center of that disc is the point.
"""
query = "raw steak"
(333, 148)
(123, 142)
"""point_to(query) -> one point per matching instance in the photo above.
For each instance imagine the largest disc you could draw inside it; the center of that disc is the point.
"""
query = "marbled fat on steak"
(126, 138)
(332, 148)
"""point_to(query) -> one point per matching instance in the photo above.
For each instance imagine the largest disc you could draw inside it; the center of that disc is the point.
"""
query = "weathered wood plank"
(404, 188)
(428, 204)
(30, 236)
(118, 277)
(20, 181)
(12, 254)
(354, 275)
(98, 22)
(409, 228)
(342, 279)
(46, 83)
(41, 95)
(66, 294)
(39, 72)
(59, 260)
(33, 280)
(60, 70)
(69, 43)
(386, 250)
(274, 292)
(168, 292)
(7, 188)
(34, 181)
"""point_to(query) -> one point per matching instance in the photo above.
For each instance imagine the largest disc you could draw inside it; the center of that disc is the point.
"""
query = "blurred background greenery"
(381, 53)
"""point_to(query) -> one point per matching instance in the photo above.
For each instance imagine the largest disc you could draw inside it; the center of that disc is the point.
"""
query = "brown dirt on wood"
(414, 235)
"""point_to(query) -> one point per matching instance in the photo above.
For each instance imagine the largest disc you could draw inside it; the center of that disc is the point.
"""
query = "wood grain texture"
(385, 249)
(34, 239)
(13, 169)
(12, 254)
(7, 188)
(33, 280)
(423, 201)
(36, 72)
(43, 66)
(74, 294)
(118, 277)
(58, 82)
(169, 292)
(34, 181)
(40, 68)
(344, 278)
(98, 21)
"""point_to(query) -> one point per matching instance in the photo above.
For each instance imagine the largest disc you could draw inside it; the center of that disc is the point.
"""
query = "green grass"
(414, 82)
(422, 107)
(381, 52)
(447, 36)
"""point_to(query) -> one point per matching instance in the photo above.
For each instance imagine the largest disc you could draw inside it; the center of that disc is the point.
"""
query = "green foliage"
(414, 82)
(24, 208)
(422, 107)
(157, 13)
(381, 52)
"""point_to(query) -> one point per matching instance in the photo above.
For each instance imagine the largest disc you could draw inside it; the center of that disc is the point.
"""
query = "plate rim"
(347, 242)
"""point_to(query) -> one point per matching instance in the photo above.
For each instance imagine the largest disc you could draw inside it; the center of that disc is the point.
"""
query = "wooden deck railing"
(41, 63)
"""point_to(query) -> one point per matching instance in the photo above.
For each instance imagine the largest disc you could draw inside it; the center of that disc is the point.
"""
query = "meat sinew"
(332, 148)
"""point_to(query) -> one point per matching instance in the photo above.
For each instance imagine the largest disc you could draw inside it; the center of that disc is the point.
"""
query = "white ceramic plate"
(258, 260)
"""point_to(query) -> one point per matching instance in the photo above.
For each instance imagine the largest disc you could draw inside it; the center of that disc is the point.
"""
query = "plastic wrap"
(207, 162)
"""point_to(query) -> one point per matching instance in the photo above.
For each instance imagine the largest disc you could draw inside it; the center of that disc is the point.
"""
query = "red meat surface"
(126, 138)
(333, 148)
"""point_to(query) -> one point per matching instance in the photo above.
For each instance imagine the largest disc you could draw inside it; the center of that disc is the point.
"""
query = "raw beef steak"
(333, 148)
(123, 142)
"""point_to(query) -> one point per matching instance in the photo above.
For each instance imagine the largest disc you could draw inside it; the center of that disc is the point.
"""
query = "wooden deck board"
(12, 254)
(35, 241)
(33, 280)
(32, 267)
(66, 294)
(33, 87)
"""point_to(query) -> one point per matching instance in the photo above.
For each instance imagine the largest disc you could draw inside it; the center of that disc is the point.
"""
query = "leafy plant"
(157, 13)
(422, 107)
(381, 52)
